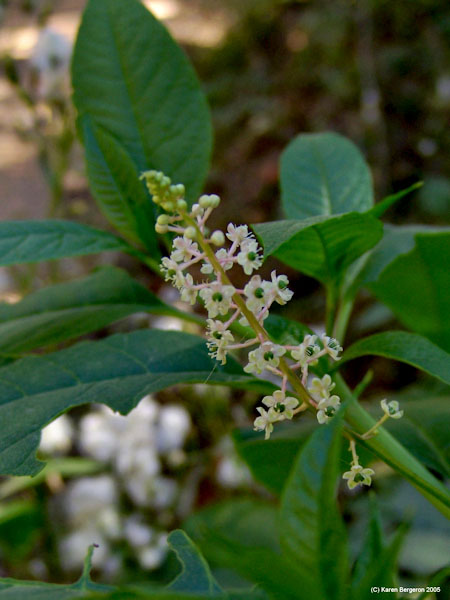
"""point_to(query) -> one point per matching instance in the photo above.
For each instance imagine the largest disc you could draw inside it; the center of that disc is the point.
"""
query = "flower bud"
(217, 238)
(163, 220)
(190, 233)
(181, 205)
(161, 228)
(204, 201)
(214, 200)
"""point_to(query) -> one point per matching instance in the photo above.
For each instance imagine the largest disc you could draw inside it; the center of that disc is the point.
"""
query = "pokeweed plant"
(145, 126)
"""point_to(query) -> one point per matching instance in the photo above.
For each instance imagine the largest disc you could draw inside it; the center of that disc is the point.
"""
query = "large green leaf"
(416, 287)
(372, 545)
(12, 589)
(405, 347)
(322, 247)
(396, 240)
(135, 82)
(311, 528)
(68, 310)
(119, 193)
(381, 573)
(35, 241)
(242, 535)
(270, 461)
(244, 521)
(117, 371)
(423, 430)
(324, 174)
(195, 576)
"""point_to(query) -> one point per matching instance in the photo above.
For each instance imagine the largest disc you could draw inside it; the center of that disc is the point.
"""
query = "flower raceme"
(214, 255)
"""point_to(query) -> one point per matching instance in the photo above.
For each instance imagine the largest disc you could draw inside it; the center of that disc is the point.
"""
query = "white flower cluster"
(137, 446)
(214, 255)
(142, 448)
(49, 62)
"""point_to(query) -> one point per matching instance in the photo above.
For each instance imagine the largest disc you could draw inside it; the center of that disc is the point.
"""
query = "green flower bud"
(181, 205)
(214, 200)
(161, 228)
(204, 201)
(190, 233)
(217, 238)
(163, 220)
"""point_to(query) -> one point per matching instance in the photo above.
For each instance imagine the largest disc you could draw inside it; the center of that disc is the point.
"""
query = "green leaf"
(136, 83)
(117, 371)
(381, 207)
(396, 240)
(409, 348)
(12, 589)
(373, 543)
(382, 572)
(423, 430)
(68, 310)
(324, 174)
(441, 577)
(35, 241)
(416, 287)
(114, 182)
(195, 576)
(270, 461)
(285, 331)
(244, 521)
(242, 535)
(311, 528)
(322, 247)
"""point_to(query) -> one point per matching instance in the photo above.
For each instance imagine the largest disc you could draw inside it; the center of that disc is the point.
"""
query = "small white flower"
(266, 355)
(172, 272)
(207, 267)
(304, 353)
(217, 298)
(282, 405)
(266, 420)
(358, 476)
(226, 261)
(327, 408)
(391, 409)
(238, 233)
(321, 388)
(256, 294)
(188, 292)
(331, 346)
(249, 257)
(219, 339)
(185, 249)
(279, 287)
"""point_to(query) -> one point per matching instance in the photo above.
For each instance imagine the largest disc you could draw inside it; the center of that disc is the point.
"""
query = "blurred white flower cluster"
(49, 66)
(137, 446)
(141, 449)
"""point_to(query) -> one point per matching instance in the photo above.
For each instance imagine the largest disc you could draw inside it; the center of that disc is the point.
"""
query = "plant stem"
(342, 318)
(330, 308)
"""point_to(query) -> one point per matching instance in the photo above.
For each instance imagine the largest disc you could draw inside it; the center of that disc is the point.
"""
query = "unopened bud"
(214, 200)
(163, 220)
(217, 238)
(204, 201)
(161, 228)
(190, 233)
(181, 205)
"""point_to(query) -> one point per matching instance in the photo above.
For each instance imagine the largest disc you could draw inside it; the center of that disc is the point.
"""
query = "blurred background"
(375, 71)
